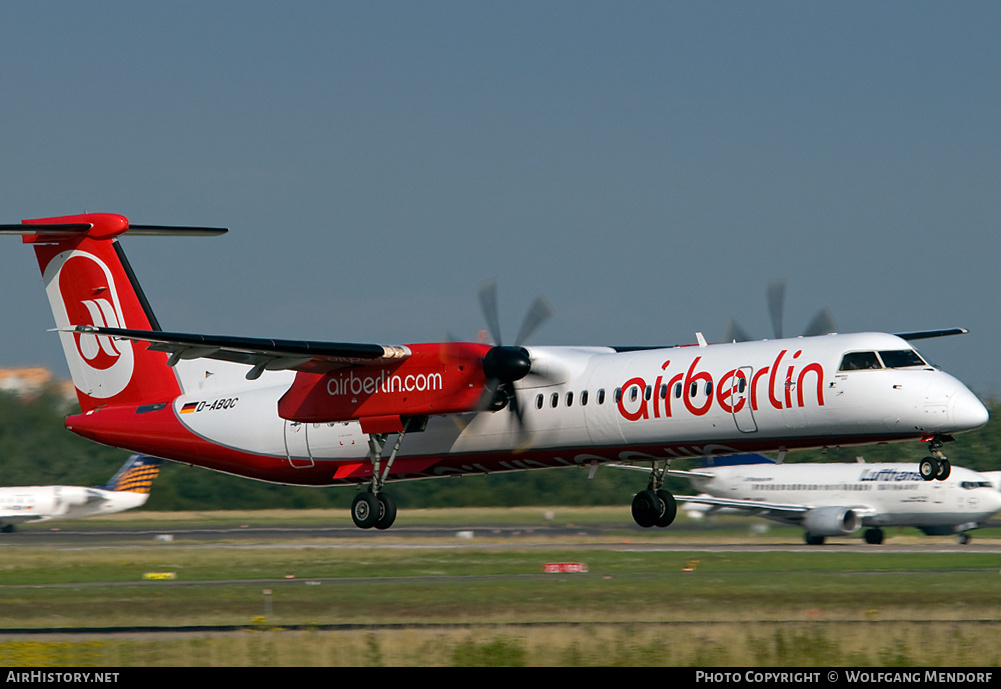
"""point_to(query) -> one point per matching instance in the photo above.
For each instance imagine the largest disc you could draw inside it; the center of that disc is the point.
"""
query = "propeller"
(823, 322)
(503, 364)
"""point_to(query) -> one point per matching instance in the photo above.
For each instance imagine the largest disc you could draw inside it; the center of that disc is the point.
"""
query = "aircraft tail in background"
(136, 476)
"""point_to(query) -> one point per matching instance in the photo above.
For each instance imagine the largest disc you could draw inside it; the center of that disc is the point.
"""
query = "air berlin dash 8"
(324, 413)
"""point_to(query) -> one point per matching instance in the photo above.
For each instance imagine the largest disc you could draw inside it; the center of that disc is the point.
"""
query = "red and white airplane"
(323, 413)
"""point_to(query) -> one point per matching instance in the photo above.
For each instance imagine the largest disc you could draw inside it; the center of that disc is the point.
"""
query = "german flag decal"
(189, 407)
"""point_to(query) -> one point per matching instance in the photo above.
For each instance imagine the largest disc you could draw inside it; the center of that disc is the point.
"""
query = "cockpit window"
(857, 361)
(901, 358)
(890, 358)
(970, 485)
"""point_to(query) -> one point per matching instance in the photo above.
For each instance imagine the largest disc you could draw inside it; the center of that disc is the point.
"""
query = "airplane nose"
(994, 502)
(967, 412)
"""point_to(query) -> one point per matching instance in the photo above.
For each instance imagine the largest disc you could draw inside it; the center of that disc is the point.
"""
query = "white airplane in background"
(829, 499)
(127, 489)
(322, 413)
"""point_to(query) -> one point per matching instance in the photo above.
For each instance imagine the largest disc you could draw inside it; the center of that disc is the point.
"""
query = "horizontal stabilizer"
(99, 226)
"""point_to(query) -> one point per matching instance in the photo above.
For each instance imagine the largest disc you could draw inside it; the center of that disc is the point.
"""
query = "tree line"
(36, 449)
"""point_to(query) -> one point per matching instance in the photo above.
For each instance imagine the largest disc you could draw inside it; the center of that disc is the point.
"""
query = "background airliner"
(324, 413)
(127, 489)
(838, 499)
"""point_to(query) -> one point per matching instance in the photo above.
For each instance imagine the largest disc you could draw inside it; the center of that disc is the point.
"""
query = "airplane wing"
(790, 513)
(670, 472)
(685, 474)
(752, 506)
(20, 518)
(261, 354)
(927, 334)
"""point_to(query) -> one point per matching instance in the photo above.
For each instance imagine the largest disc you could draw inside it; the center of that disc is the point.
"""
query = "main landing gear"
(655, 506)
(374, 508)
(936, 466)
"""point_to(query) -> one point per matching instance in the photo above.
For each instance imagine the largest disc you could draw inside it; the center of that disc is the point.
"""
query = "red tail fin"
(89, 282)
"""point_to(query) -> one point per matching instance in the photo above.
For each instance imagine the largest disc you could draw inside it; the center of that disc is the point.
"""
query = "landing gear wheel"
(963, 538)
(668, 509)
(646, 508)
(929, 468)
(387, 511)
(874, 536)
(365, 510)
(944, 469)
(814, 540)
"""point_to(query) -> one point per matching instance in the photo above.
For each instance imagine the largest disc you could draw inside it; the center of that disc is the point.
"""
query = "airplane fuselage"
(582, 405)
(42, 503)
(881, 494)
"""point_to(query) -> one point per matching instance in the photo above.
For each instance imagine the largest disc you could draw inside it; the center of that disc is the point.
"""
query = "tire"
(365, 510)
(387, 511)
(814, 540)
(668, 509)
(874, 536)
(646, 508)
(944, 469)
(928, 468)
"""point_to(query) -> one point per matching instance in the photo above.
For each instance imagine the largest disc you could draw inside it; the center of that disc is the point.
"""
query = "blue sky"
(648, 166)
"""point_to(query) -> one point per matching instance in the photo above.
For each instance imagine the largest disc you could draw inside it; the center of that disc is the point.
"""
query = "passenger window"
(858, 361)
(569, 399)
(617, 397)
(538, 401)
(677, 391)
(583, 398)
(556, 399)
(601, 395)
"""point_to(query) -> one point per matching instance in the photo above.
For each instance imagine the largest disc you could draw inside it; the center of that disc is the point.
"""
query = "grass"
(421, 601)
(697, 645)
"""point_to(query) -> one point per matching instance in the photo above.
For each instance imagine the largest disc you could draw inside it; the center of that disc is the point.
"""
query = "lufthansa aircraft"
(325, 413)
(831, 499)
(127, 489)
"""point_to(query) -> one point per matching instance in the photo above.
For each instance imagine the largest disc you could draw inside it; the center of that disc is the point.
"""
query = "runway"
(613, 536)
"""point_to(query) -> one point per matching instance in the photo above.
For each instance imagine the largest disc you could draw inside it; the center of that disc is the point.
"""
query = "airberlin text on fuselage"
(782, 385)
(350, 384)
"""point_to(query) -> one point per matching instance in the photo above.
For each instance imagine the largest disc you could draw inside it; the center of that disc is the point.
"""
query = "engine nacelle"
(435, 379)
(831, 521)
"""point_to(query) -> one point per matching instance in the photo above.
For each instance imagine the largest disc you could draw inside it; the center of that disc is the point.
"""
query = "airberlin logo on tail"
(101, 352)
(82, 291)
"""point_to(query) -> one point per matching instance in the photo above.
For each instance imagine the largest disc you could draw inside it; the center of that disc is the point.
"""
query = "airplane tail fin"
(89, 281)
(736, 460)
(136, 476)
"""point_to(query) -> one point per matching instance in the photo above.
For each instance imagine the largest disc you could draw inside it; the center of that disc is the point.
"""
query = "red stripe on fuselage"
(161, 434)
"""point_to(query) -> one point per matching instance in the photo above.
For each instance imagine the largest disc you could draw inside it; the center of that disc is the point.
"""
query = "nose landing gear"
(936, 466)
